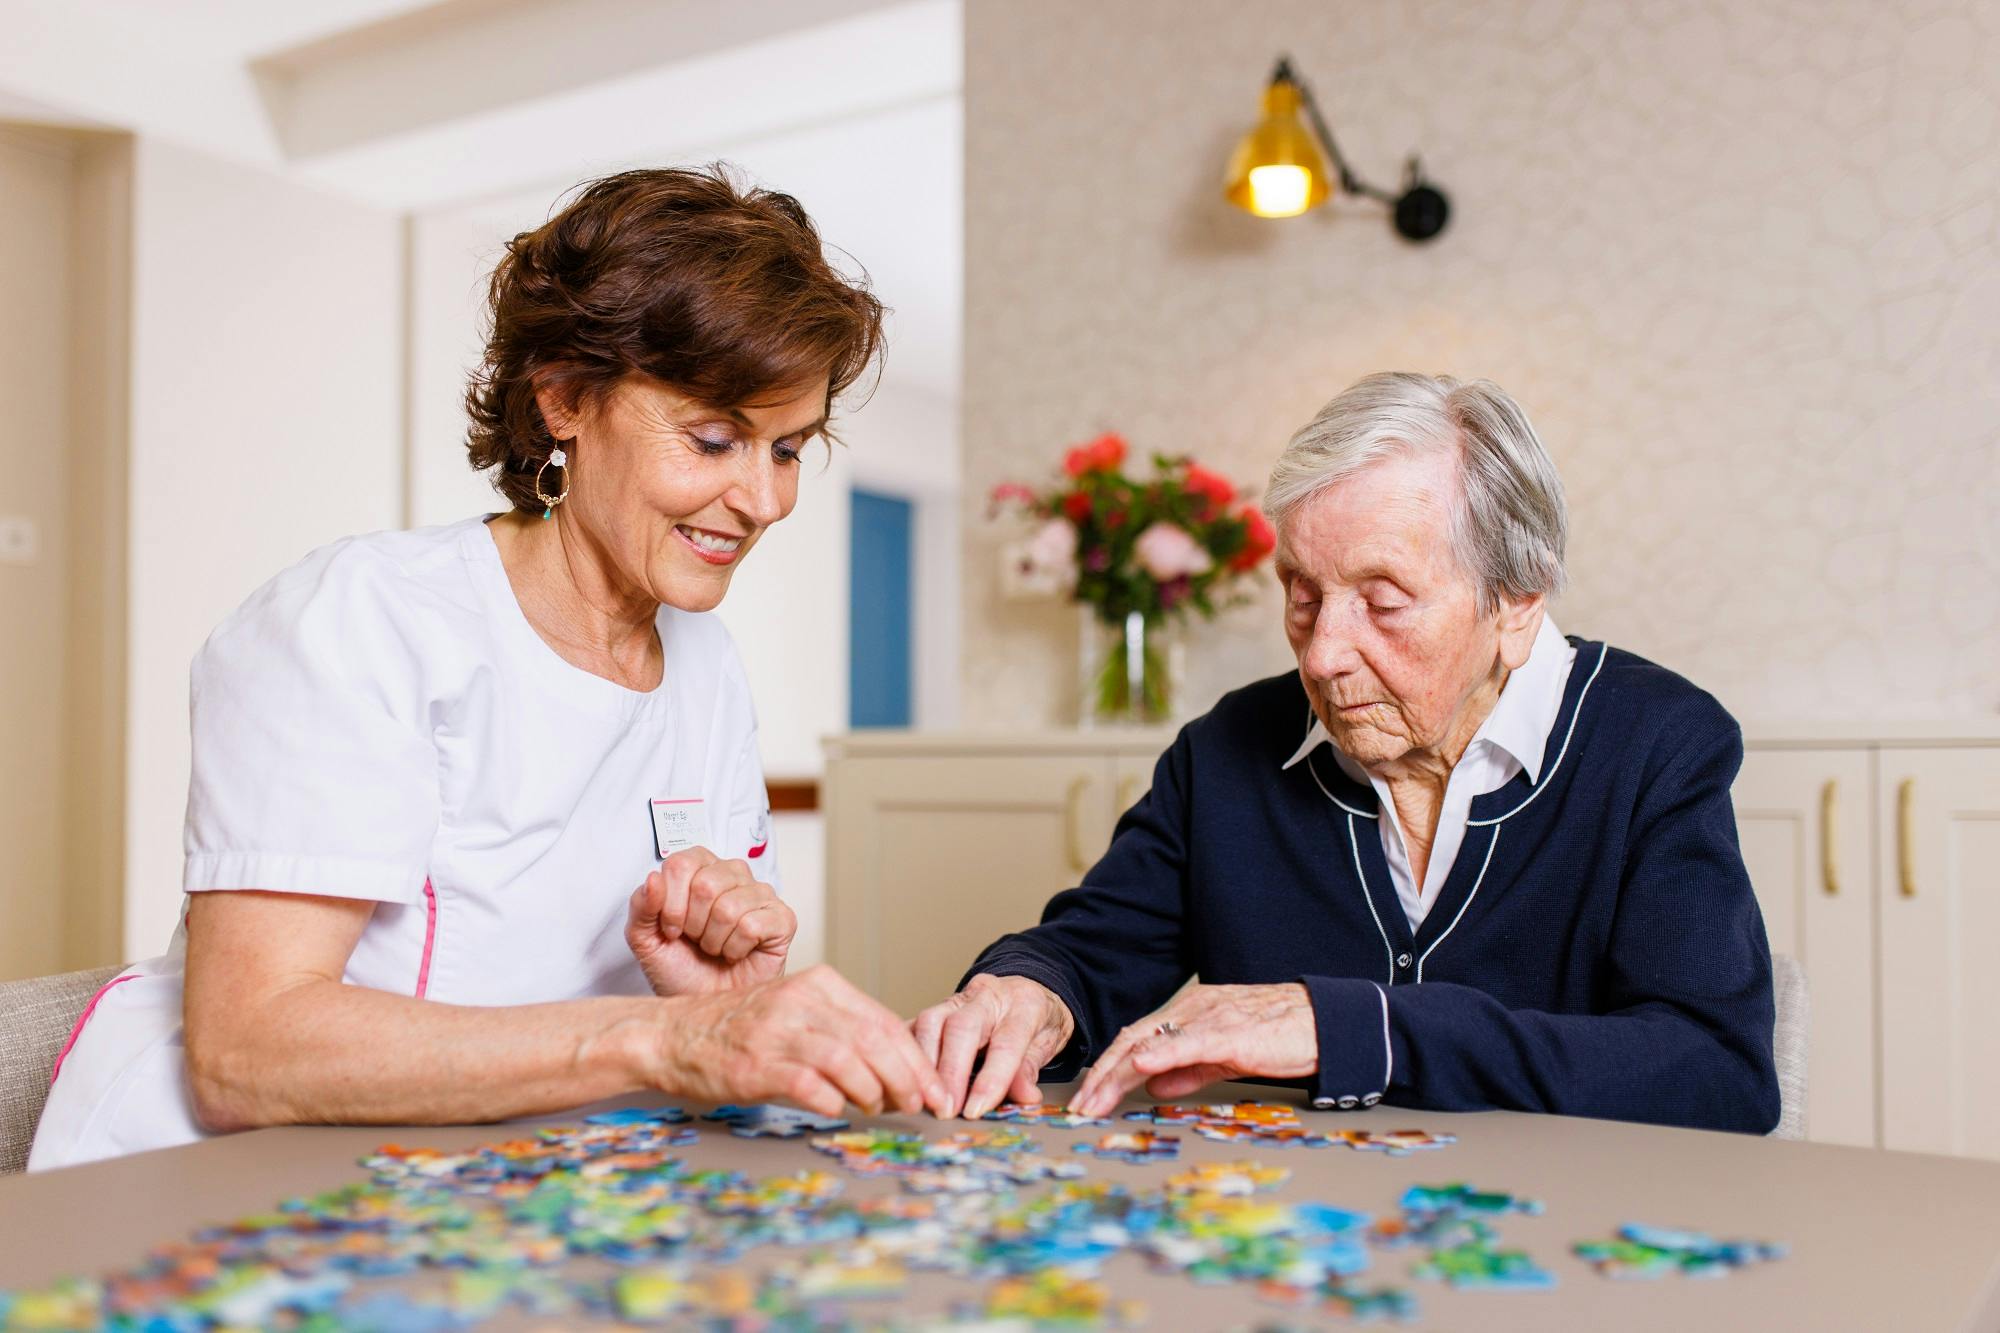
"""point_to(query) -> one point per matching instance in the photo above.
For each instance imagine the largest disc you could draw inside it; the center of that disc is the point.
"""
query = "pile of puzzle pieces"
(497, 1225)
(1649, 1252)
(1454, 1223)
(969, 1162)
(1270, 1124)
(495, 1229)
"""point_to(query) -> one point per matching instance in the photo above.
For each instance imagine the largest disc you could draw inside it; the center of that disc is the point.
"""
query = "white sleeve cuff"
(322, 876)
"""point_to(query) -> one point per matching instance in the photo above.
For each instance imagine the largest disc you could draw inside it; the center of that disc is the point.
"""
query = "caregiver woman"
(431, 767)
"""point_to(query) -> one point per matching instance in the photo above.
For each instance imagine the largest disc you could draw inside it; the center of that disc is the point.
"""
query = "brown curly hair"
(718, 290)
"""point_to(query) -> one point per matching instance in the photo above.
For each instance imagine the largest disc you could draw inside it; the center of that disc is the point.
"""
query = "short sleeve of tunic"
(313, 767)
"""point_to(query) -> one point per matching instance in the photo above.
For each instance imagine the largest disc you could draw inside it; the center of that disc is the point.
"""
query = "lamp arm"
(1349, 182)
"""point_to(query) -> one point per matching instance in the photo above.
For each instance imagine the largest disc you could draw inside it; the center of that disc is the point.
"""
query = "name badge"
(679, 825)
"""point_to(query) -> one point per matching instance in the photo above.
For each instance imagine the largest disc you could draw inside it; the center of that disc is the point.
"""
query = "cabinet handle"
(1073, 824)
(1829, 797)
(1906, 859)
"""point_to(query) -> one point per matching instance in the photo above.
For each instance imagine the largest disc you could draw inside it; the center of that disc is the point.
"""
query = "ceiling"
(490, 108)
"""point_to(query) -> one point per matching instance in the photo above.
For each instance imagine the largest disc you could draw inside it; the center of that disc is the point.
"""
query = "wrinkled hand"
(1019, 1023)
(813, 1039)
(701, 924)
(1225, 1032)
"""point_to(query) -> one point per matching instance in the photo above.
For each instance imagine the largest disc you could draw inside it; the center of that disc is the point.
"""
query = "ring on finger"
(1168, 1028)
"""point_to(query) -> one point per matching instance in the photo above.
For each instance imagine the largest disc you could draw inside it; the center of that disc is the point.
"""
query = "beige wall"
(266, 420)
(36, 184)
(100, 355)
(63, 237)
(1740, 262)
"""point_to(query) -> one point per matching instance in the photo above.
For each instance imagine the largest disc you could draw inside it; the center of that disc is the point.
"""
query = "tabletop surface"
(1875, 1240)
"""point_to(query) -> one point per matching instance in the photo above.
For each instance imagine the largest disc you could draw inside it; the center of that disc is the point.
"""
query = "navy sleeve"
(1683, 1032)
(1113, 948)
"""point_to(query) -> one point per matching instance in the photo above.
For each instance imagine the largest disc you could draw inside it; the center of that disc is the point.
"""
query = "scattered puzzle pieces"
(1651, 1252)
(1135, 1146)
(1228, 1178)
(1479, 1263)
(1050, 1117)
(774, 1122)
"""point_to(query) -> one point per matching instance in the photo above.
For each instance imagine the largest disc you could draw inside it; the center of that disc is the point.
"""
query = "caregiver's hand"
(813, 1039)
(1212, 1033)
(701, 924)
(1019, 1023)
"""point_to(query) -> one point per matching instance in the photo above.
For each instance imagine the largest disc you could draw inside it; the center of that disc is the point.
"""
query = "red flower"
(1076, 507)
(1213, 487)
(1259, 540)
(1106, 453)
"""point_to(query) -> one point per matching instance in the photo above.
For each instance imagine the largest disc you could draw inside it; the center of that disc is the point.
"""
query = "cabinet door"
(1938, 853)
(1804, 819)
(931, 859)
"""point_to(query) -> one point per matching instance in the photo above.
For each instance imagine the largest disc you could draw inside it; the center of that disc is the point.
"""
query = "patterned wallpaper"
(1740, 262)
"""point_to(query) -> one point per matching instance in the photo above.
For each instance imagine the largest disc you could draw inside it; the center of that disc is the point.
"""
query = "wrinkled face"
(1384, 623)
(670, 494)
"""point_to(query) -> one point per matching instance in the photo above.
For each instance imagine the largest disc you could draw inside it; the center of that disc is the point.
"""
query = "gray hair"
(1510, 524)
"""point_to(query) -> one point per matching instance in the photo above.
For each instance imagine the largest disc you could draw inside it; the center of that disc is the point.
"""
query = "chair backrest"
(36, 1018)
(1788, 1044)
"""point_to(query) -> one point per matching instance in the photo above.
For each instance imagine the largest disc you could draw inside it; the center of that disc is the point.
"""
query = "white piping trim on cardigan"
(1540, 787)
(1330, 796)
(1388, 1048)
(1466, 904)
(1388, 949)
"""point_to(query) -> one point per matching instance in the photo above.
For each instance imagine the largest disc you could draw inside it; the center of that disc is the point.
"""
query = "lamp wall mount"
(1418, 211)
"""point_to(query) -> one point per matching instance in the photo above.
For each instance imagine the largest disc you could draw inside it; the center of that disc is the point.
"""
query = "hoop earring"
(560, 461)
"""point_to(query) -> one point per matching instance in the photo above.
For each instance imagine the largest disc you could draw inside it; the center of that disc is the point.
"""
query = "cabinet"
(936, 847)
(1875, 855)
(1806, 821)
(1937, 840)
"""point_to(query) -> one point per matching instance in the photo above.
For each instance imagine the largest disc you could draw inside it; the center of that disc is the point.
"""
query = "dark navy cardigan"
(1595, 950)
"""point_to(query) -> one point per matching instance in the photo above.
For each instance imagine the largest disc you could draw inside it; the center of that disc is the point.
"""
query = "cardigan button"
(1371, 1099)
(1323, 1103)
(1403, 961)
(1349, 1102)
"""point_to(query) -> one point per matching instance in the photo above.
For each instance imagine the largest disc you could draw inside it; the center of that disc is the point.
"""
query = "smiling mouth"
(715, 547)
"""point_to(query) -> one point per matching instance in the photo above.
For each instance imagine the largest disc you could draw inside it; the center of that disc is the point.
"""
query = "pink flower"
(1167, 552)
(1052, 550)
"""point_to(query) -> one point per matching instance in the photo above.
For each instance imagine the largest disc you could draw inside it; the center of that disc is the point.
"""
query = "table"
(1877, 1240)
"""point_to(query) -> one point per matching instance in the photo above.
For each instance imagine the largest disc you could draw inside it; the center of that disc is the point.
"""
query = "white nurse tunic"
(381, 722)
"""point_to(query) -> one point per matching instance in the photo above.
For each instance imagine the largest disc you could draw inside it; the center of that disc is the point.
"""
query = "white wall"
(450, 258)
(266, 420)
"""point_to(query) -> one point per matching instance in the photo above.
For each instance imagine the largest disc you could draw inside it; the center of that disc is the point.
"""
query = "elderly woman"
(476, 826)
(1457, 861)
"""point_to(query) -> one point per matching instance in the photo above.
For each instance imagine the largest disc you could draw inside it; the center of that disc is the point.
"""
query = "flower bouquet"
(1140, 553)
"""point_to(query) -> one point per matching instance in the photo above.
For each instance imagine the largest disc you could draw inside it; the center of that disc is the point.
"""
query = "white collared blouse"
(1512, 739)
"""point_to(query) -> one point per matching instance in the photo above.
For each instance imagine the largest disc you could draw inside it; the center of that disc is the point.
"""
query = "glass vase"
(1131, 670)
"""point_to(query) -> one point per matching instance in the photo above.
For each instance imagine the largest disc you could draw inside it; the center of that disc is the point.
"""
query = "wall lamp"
(1280, 168)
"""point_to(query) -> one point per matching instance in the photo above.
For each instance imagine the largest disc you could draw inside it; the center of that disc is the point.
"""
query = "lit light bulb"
(1279, 191)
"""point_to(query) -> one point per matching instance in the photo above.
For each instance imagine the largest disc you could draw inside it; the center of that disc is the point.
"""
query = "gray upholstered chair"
(1788, 1044)
(36, 1017)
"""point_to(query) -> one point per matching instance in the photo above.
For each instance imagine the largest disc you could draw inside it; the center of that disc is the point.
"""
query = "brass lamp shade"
(1278, 171)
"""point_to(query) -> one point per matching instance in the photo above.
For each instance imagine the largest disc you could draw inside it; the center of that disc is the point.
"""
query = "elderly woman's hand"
(813, 1039)
(1212, 1033)
(701, 924)
(1019, 1023)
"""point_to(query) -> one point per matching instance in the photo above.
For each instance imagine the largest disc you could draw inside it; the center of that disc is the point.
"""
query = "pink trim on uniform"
(758, 850)
(430, 938)
(81, 1019)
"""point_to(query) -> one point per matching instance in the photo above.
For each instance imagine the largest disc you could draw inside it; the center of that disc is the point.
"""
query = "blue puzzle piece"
(774, 1122)
(640, 1115)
